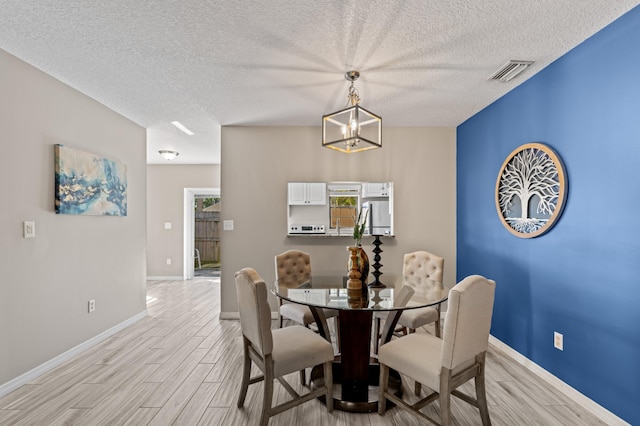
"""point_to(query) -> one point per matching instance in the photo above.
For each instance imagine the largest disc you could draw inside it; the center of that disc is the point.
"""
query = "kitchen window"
(344, 204)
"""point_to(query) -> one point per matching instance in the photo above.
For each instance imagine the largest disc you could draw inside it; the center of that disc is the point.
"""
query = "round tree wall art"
(531, 190)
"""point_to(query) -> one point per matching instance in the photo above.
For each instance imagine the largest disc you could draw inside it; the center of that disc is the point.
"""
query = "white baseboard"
(585, 402)
(236, 315)
(165, 278)
(30, 375)
(229, 315)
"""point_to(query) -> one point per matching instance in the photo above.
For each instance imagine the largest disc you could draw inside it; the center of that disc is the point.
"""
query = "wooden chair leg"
(268, 392)
(437, 323)
(246, 373)
(445, 397)
(481, 394)
(303, 377)
(382, 389)
(418, 388)
(328, 382)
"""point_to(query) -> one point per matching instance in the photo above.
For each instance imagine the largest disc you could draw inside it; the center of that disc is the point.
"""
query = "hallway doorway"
(207, 232)
(208, 244)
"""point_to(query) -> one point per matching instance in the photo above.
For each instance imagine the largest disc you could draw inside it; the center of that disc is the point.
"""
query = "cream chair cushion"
(297, 313)
(416, 318)
(295, 348)
(416, 355)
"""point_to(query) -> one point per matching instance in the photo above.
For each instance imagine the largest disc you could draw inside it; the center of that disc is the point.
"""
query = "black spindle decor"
(377, 265)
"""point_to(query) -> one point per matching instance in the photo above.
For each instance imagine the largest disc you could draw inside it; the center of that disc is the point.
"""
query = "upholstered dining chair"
(420, 270)
(277, 352)
(294, 267)
(445, 364)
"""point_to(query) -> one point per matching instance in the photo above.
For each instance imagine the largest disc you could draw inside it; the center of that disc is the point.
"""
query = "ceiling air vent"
(510, 70)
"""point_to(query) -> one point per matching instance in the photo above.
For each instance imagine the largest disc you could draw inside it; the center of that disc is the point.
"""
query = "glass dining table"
(355, 371)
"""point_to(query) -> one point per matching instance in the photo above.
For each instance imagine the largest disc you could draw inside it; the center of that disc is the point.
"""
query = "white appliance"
(379, 217)
(306, 229)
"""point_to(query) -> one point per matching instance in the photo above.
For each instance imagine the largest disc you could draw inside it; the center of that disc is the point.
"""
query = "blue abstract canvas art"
(87, 184)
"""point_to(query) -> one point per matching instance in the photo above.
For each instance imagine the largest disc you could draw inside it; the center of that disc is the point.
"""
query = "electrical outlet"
(168, 261)
(558, 341)
(92, 305)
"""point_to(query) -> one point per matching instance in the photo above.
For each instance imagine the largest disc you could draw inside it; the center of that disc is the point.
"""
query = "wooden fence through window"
(207, 235)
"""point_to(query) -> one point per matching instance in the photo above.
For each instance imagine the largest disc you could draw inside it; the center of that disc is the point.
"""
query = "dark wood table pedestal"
(359, 397)
(355, 373)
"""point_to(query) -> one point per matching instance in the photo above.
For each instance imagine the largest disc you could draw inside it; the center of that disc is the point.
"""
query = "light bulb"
(354, 127)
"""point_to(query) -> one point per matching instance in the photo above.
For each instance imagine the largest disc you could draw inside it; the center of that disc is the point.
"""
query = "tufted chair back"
(422, 270)
(293, 266)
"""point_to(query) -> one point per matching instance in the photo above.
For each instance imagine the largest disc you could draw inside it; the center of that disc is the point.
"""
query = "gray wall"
(46, 282)
(259, 161)
(165, 203)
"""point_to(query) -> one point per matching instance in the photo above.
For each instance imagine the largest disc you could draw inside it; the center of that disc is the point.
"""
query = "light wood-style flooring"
(181, 365)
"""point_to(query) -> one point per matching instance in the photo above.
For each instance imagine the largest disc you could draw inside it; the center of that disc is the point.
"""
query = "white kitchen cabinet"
(370, 190)
(314, 296)
(307, 193)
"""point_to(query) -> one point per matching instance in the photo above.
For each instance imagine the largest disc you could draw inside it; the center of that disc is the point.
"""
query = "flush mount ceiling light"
(510, 70)
(182, 127)
(353, 129)
(168, 155)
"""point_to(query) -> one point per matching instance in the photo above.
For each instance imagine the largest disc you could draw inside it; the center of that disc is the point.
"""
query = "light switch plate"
(167, 225)
(227, 225)
(29, 229)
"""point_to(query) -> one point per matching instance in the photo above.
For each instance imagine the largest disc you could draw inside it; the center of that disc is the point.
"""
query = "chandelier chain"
(353, 98)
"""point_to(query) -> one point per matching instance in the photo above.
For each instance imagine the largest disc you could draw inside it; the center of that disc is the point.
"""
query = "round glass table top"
(331, 292)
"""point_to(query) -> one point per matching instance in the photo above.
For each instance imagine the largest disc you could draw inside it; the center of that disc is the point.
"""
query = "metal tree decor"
(530, 190)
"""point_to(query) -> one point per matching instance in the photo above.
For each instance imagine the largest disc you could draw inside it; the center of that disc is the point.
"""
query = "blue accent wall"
(582, 278)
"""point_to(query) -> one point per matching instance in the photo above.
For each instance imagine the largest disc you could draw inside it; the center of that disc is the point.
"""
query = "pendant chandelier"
(353, 129)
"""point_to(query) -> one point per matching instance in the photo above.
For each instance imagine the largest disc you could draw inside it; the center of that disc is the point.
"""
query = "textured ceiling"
(209, 63)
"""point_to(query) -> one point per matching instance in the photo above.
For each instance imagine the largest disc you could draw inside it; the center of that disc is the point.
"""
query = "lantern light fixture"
(352, 129)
